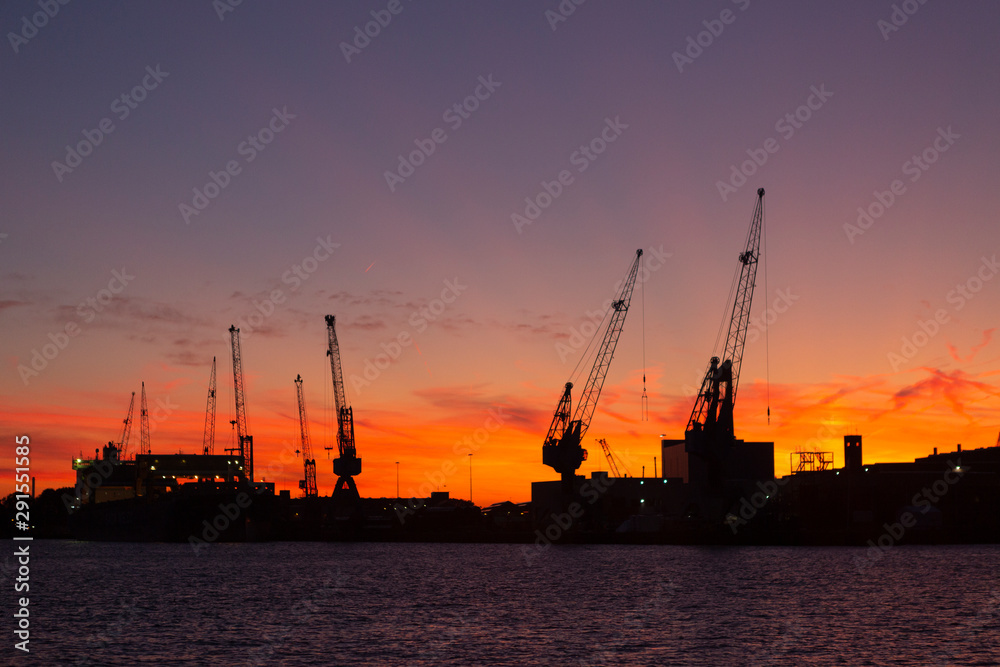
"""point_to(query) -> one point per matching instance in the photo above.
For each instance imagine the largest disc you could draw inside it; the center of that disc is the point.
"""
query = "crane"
(309, 483)
(126, 430)
(243, 439)
(561, 449)
(347, 464)
(710, 432)
(612, 464)
(143, 424)
(208, 441)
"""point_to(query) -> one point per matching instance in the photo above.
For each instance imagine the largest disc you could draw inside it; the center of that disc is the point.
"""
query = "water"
(443, 604)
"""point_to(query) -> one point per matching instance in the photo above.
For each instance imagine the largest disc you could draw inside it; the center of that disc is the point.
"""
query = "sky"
(463, 187)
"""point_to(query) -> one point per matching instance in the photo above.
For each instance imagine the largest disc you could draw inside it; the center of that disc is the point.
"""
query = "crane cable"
(767, 328)
(645, 399)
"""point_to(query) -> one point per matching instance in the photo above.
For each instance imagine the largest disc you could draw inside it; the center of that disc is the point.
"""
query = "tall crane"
(612, 464)
(143, 424)
(710, 431)
(347, 464)
(309, 482)
(561, 449)
(243, 439)
(208, 441)
(126, 430)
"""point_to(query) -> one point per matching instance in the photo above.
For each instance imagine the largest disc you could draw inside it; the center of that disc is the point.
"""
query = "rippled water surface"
(431, 604)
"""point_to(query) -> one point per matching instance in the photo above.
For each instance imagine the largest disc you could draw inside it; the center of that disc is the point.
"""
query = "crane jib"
(561, 449)
(724, 373)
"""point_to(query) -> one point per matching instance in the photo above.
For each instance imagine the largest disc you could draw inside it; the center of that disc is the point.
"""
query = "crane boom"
(612, 464)
(592, 390)
(561, 449)
(309, 483)
(208, 441)
(712, 415)
(143, 423)
(347, 464)
(126, 430)
(244, 440)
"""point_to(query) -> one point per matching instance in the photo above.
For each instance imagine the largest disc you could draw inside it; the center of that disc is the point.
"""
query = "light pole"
(397, 479)
(470, 478)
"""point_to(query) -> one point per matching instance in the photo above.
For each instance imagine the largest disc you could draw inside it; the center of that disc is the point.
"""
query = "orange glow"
(935, 409)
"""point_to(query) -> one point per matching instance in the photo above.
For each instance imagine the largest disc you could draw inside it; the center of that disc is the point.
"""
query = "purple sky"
(887, 96)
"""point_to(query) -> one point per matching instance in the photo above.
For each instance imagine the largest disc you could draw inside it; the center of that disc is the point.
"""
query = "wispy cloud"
(953, 350)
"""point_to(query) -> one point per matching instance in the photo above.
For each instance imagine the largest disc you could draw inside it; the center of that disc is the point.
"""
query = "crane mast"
(347, 464)
(710, 426)
(308, 484)
(208, 441)
(561, 449)
(126, 430)
(244, 440)
(143, 423)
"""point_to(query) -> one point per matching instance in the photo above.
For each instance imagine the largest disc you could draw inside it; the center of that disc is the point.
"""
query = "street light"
(397, 479)
(470, 478)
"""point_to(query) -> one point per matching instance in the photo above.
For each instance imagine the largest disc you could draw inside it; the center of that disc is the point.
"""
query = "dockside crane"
(143, 424)
(126, 431)
(562, 450)
(347, 464)
(710, 432)
(243, 439)
(612, 464)
(308, 484)
(208, 441)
